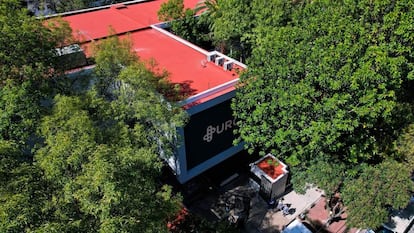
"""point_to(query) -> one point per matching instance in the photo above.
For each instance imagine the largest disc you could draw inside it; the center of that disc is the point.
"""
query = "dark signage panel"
(208, 133)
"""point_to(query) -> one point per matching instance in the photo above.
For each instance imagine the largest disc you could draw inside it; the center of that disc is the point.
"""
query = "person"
(280, 204)
(285, 210)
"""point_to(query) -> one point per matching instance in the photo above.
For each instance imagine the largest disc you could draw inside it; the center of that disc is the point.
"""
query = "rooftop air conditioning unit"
(219, 61)
(228, 65)
(211, 57)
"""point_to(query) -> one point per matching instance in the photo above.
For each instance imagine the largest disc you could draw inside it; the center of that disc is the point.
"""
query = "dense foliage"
(230, 22)
(102, 171)
(72, 159)
(184, 23)
(329, 90)
(27, 68)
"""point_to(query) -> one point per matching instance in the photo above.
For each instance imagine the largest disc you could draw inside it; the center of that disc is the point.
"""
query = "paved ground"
(261, 219)
(266, 220)
(319, 216)
(203, 194)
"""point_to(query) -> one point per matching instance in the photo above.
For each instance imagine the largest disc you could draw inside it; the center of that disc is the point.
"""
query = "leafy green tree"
(27, 69)
(71, 5)
(305, 99)
(171, 10)
(95, 168)
(208, 11)
(111, 56)
(211, 8)
(100, 156)
(377, 189)
(230, 22)
(95, 171)
(404, 145)
(192, 29)
(184, 23)
(27, 47)
(104, 172)
(22, 190)
(190, 222)
(61, 32)
(20, 112)
(328, 84)
(328, 175)
(161, 119)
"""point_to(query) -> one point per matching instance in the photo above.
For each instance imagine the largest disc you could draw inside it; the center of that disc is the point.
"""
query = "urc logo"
(218, 129)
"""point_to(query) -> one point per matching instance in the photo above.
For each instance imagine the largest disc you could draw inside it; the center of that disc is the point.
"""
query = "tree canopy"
(230, 21)
(27, 69)
(27, 47)
(103, 170)
(328, 90)
(184, 23)
(76, 160)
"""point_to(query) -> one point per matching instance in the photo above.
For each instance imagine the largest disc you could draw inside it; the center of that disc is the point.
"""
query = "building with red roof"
(209, 76)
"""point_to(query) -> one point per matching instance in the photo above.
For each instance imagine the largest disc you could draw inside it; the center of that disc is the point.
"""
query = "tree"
(111, 56)
(91, 167)
(20, 112)
(138, 92)
(320, 102)
(28, 68)
(230, 22)
(184, 23)
(209, 10)
(171, 10)
(27, 47)
(328, 81)
(328, 175)
(71, 5)
(370, 197)
(21, 200)
(100, 156)
(103, 170)
(404, 145)
(95, 172)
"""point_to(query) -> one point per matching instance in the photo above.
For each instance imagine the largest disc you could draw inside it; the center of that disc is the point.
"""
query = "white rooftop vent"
(219, 61)
(211, 57)
(228, 65)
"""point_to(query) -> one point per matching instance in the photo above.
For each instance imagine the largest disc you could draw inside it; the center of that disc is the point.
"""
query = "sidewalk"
(264, 220)
(318, 215)
(260, 218)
